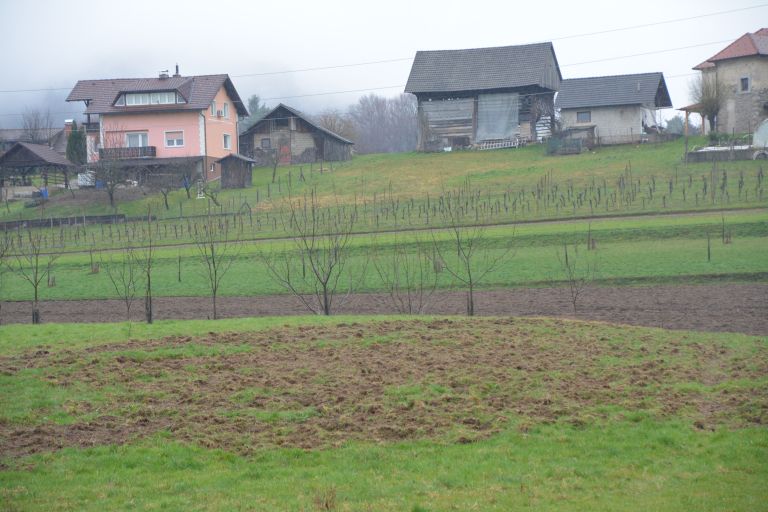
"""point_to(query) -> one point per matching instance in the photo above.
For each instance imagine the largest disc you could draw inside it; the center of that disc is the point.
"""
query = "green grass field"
(391, 413)
(629, 250)
(412, 176)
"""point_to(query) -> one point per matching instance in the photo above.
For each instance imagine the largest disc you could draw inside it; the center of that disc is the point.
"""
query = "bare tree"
(385, 125)
(144, 257)
(708, 93)
(33, 266)
(313, 267)
(37, 125)
(123, 273)
(409, 273)
(337, 122)
(580, 270)
(472, 256)
(171, 177)
(216, 256)
(110, 171)
(5, 246)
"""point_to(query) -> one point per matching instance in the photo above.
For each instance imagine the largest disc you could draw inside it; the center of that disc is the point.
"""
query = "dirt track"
(712, 307)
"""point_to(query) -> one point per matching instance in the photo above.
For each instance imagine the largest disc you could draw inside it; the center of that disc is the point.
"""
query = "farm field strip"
(655, 260)
(495, 413)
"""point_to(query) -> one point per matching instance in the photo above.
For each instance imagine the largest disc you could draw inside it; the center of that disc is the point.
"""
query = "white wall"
(613, 124)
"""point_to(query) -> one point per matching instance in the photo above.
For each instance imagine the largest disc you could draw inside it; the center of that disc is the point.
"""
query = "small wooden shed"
(24, 159)
(294, 138)
(236, 171)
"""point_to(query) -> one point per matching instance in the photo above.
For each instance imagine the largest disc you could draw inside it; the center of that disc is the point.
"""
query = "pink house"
(153, 122)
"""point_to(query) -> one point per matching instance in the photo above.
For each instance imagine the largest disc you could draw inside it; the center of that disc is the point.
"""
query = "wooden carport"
(24, 159)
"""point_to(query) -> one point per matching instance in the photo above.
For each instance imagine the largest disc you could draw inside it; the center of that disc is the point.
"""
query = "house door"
(285, 153)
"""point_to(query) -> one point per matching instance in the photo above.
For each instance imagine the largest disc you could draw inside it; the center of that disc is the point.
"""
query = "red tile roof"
(745, 46)
(198, 91)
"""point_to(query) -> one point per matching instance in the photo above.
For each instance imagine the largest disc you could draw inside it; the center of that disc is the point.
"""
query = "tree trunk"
(35, 310)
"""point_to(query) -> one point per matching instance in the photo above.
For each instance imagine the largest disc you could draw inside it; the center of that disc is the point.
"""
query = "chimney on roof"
(68, 126)
(176, 74)
(164, 74)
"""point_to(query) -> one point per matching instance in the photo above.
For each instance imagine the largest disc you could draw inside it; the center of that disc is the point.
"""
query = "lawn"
(391, 413)
(646, 249)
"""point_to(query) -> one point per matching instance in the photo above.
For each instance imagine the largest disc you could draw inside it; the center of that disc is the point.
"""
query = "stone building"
(741, 71)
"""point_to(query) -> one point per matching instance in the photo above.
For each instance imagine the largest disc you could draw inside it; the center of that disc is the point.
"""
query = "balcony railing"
(119, 153)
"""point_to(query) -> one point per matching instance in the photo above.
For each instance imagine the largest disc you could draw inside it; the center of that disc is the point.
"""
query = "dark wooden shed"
(236, 171)
(293, 138)
(24, 159)
(484, 97)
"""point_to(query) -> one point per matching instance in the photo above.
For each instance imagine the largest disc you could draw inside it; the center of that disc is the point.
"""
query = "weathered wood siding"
(442, 121)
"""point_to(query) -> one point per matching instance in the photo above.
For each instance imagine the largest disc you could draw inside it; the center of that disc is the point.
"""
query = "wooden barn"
(293, 138)
(484, 97)
(236, 171)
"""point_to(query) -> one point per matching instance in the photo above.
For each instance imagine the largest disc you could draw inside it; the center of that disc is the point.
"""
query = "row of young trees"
(313, 267)
(315, 264)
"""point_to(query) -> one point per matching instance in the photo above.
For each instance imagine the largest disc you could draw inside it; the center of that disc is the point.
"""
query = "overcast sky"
(52, 44)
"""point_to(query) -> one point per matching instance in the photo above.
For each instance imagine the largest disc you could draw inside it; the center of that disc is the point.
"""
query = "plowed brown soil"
(726, 307)
(451, 380)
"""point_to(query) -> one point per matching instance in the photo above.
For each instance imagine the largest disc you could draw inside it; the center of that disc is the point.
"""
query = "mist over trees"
(376, 124)
(256, 110)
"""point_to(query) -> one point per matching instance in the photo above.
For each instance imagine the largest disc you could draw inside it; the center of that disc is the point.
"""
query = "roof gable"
(281, 109)
(476, 69)
(25, 154)
(647, 89)
(198, 91)
(745, 46)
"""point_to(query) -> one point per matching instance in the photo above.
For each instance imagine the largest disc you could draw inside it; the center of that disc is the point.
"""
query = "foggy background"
(49, 45)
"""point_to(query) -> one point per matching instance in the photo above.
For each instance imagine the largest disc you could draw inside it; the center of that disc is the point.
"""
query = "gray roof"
(25, 154)
(477, 69)
(647, 89)
(54, 136)
(296, 113)
(198, 91)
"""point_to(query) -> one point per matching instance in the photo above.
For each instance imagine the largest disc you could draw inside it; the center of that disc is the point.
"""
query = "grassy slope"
(627, 461)
(412, 175)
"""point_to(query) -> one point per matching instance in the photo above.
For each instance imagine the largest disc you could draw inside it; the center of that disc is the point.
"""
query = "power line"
(267, 73)
(645, 53)
(339, 66)
(665, 22)
(607, 59)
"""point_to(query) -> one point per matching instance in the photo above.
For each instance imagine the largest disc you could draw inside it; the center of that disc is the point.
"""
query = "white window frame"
(225, 108)
(213, 108)
(588, 112)
(227, 141)
(174, 145)
(128, 135)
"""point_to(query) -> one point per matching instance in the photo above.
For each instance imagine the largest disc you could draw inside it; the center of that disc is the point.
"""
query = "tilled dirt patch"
(450, 380)
(724, 307)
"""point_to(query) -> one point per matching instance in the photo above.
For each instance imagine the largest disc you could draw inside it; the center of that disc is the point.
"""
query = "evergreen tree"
(76, 152)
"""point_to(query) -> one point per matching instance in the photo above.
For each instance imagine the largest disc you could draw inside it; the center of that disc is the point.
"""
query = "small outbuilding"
(24, 159)
(291, 137)
(484, 97)
(236, 171)
(622, 109)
